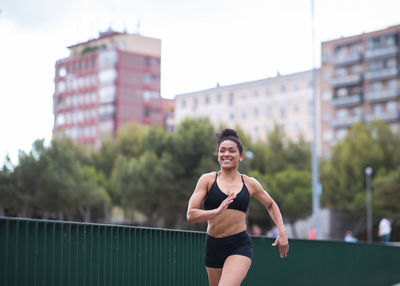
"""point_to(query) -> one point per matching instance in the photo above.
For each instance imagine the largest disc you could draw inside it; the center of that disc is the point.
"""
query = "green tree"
(194, 150)
(26, 176)
(8, 198)
(343, 176)
(386, 198)
(145, 185)
(128, 140)
(291, 189)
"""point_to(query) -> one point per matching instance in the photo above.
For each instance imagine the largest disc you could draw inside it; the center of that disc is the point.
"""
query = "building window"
(244, 115)
(269, 110)
(296, 126)
(296, 85)
(243, 94)
(356, 69)
(207, 99)
(376, 86)
(341, 71)
(231, 98)
(341, 134)
(255, 112)
(232, 116)
(327, 136)
(255, 92)
(219, 97)
(390, 41)
(357, 111)
(60, 119)
(391, 106)
(327, 95)
(282, 87)
(183, 103)
(296, 107)
(62, 71)
(108, 76)
(269, 90)
(311, 105)
(355, 49)
(326, 116)
(282, 111)
(391, 63)
(107, 94)
(392, 84)
(341, 113)
(195, 103)
(61, 86)
(342, 91)
(375, 65)
(255, 130)
(377, 109)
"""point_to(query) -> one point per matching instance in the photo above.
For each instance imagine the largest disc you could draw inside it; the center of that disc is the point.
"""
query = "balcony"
(384, 116)
(346, 59)
(346, 100)
(382, 73)
(345, 121)
(345, 80)
(383, 95)
(382, 52)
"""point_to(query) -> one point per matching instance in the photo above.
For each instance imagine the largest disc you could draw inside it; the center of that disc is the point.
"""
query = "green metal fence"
(39, 252)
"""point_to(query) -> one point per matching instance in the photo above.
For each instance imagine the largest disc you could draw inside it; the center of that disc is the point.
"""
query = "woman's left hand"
(283, 243)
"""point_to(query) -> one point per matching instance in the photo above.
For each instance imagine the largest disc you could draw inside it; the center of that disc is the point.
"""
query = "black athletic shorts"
(218, 249)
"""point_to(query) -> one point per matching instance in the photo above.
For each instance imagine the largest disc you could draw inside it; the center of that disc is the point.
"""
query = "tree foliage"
(152, 173)
(343, 175)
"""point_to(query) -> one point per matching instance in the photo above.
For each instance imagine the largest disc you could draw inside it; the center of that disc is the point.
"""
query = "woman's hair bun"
(227, 132)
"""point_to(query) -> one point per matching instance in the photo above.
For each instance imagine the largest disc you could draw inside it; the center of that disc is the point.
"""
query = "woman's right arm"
(194, 213)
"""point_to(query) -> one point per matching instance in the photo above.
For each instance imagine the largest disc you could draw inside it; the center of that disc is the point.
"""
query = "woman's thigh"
(235, 270)
(214, 275)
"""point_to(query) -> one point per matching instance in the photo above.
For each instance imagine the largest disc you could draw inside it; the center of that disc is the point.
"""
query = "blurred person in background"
(225, 196)
(255, 230)
(384, 229)
(349, 237)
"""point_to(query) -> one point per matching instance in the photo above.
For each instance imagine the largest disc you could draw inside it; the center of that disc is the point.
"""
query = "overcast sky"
(203, 42)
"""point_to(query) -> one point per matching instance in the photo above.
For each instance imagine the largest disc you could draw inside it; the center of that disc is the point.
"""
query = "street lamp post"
(368, 172)
(316, 186)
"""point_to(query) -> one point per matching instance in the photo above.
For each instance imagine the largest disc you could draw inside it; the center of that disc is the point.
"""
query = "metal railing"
(39, 252)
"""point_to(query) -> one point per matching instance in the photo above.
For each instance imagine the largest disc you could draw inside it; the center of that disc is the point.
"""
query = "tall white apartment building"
(256, 106)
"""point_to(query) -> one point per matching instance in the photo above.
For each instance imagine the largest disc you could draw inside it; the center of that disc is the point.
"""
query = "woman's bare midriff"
(227, 223)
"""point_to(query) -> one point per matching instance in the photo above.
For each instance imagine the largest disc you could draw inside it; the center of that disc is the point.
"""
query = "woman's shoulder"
(208, 176)
(249, 180)
(251, 183)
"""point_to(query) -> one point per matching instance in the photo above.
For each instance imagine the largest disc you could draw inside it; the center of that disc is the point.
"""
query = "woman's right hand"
(225, 203)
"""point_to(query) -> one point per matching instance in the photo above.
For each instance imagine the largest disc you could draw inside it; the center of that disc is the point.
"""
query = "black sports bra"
(216, 196)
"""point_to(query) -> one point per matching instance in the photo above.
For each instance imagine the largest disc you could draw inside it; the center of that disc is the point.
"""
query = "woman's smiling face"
(229, 155)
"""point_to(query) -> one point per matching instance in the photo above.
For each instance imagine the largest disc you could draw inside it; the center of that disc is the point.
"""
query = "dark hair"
(229, 134)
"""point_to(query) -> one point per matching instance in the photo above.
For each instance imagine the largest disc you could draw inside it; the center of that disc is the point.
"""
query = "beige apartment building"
(359, 82)
(256, 106)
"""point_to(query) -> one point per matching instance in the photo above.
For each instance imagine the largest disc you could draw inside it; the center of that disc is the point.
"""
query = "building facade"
(256, 106)
(359, 81)
(106, 83)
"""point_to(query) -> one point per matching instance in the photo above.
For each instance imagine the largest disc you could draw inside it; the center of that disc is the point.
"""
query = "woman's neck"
(229, 174)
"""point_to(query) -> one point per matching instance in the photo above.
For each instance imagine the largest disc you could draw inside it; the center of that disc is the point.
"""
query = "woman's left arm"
(261, 195)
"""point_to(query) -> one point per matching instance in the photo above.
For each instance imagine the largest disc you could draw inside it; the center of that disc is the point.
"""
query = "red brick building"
(106, 83)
